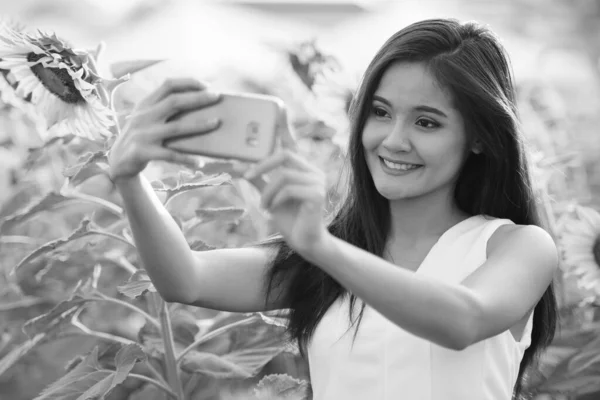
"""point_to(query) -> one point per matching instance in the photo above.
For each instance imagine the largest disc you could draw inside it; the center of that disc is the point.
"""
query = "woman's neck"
(423, 218)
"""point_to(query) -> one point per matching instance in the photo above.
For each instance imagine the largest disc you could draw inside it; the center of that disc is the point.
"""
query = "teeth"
(402, 167)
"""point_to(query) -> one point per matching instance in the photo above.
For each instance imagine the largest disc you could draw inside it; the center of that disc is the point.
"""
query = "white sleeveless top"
(389, 363)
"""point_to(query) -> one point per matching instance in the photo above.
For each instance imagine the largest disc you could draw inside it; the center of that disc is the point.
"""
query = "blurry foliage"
(63, 230)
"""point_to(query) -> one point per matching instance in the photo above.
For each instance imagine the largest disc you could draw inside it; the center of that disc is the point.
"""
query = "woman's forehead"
(412, 83)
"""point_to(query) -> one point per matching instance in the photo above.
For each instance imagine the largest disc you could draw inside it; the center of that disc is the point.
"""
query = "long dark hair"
(468, 60)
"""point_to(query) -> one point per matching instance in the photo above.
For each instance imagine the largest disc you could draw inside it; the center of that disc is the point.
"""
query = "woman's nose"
(398, 139)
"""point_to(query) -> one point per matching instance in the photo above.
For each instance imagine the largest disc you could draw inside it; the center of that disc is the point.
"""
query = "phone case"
(247, 131)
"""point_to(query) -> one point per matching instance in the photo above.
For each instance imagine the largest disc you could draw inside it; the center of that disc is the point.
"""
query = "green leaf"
(45, 327)
(185, 181)
(85, 228)
(235, 169)
(243, 350)
(184, 326)
(200, 245)
(586, 359)
(48, 202)
(214, 366)
(88, 381)
(276, 317)
(138, 284)
(223, 214)
(88, 165)
(36, 153)
(121, 68)
(573, 386)
(281, 386)
(62, 312)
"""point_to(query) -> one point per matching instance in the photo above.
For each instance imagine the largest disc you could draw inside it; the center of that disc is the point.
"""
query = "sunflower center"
(596, 251)
(56, 80)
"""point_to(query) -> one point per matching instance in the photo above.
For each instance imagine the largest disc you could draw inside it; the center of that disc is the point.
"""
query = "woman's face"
(414, 127)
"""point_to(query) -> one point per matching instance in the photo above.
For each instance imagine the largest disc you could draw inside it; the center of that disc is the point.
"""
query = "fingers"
(286, 178)
(173, 157)
(283, 158)
(182, 127)
(178, 103)
(170, 86)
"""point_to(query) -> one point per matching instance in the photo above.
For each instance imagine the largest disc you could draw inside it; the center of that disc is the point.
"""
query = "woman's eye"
(379, 112)
(427, 123)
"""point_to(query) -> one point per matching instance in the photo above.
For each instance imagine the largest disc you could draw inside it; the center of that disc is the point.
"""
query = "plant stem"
(151, 319)
(211, 335)
(22, 303)
(15, 239)
(154, 382)
(100, 335)
(115, 209)
(172, 369)
(155, 372)
(123, 263)
(113, 236)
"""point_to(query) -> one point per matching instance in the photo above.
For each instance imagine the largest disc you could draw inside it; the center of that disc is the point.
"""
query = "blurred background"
(553, 45)
(267, 46)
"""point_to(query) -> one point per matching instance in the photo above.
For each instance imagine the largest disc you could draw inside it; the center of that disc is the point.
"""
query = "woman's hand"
(295, 194)
(141, 140)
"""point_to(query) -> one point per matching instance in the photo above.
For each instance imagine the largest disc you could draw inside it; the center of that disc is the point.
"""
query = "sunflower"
(579, 239)
(58, 80)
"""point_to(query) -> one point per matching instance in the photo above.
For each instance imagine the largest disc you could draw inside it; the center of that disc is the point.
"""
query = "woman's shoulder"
(510, 234)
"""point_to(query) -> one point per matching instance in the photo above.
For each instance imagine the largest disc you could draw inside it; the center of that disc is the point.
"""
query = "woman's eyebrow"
(425, 108)
(432, 110)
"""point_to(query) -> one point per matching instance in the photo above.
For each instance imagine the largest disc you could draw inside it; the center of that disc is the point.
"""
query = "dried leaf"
(138, 284)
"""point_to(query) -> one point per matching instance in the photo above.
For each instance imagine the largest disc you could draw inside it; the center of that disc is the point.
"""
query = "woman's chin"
(396, 195)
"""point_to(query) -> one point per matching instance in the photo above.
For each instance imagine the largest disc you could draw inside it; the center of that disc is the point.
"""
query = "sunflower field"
(80, 319)
(69, 261)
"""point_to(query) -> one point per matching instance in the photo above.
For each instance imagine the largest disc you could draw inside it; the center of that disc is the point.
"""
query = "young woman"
(433, 280)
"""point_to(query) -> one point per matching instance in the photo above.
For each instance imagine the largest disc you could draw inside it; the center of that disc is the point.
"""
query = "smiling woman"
(413, 131)
(436, 242)
(437, 245)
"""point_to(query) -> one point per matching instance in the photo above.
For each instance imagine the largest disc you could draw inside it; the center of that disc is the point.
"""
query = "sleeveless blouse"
(385, 362)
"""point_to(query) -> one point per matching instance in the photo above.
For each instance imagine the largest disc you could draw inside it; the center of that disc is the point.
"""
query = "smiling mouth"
(399, 166)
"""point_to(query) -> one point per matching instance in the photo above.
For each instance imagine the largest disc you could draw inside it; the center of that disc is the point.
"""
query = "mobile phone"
(247, 130)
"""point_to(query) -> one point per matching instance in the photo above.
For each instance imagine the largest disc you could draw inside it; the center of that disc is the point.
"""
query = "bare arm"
(228, 279)
(519, 268)
(224, 279)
